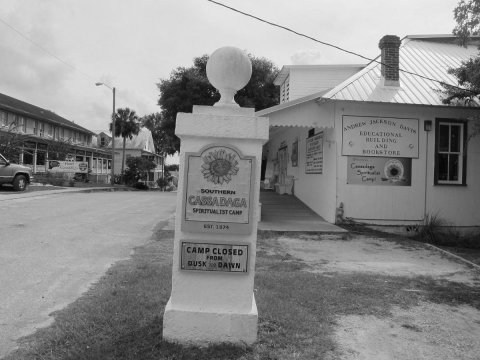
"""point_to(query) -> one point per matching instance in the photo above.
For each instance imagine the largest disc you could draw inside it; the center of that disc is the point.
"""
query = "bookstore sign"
(380, 136)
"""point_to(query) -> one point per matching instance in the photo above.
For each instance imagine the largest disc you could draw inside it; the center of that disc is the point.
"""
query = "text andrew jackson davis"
(384, 137)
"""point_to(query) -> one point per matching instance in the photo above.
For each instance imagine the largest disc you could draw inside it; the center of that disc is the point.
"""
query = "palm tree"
(126, 125)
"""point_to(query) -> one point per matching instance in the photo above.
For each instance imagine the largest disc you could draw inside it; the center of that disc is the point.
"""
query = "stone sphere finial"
(228, 69)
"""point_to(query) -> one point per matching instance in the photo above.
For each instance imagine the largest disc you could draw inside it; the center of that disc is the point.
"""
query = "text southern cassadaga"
(217, 201)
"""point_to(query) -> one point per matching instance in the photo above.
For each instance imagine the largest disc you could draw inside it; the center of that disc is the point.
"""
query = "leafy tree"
(137, 169)
(467, 17)
(165, 144)
(10, 142)
(59, 149)
(126, 125)
(189, 86)
(172, 167)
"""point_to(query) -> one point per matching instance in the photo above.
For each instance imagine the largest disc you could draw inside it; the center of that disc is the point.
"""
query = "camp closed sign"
(214, 257)
(218, 191)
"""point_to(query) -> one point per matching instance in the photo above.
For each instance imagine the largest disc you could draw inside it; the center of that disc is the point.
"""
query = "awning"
(309, 111)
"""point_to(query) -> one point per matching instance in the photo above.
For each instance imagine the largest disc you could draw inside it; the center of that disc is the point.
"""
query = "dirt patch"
(375, 255)
(428, 331)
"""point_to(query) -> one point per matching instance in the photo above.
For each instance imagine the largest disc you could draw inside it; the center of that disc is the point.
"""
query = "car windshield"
(3, 161)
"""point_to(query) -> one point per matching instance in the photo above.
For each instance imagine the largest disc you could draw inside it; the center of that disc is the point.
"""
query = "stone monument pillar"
(212, 298)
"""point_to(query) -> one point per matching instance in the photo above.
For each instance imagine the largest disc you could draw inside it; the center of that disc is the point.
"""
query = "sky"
(54, 51)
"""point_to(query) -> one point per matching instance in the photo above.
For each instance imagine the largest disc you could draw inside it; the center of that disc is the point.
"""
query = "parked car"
(17, 175)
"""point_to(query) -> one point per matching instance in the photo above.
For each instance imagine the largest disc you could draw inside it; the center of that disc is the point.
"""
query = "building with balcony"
(37, 135)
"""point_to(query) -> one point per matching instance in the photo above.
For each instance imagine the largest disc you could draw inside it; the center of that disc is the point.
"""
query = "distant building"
(140, 145)
(39, 131)
(378, 145)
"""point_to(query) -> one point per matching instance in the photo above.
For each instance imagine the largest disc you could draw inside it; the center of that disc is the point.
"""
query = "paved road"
(53, 247)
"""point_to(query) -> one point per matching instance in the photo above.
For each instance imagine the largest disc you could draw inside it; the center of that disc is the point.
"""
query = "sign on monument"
(218, 191)
(214, 257)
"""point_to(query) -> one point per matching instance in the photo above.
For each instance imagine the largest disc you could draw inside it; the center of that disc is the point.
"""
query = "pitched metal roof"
(142, 141)
(427, 55)
(20, 107)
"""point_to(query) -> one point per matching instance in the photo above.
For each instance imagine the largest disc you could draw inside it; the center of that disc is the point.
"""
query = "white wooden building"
(379, 146)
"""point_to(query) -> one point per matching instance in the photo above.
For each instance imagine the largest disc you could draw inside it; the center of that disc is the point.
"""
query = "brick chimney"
(390, 45)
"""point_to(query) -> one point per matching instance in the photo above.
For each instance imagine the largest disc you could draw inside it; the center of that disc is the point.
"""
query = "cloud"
(307, 57)
(27, 72)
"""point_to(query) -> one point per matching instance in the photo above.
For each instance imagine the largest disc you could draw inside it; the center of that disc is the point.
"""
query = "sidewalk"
(12, 195)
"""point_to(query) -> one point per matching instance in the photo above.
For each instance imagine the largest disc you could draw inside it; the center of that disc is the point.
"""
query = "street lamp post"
(112, 174)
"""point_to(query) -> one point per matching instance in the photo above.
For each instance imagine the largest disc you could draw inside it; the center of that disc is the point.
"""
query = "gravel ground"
(428, 331)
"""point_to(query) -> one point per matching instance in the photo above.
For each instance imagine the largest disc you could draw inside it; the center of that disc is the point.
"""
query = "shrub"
(431, 229)
(172, 167)
(436, 231)
(162, 182)
(118, 179)
(140, 186)
(55, 179)
(137, 169)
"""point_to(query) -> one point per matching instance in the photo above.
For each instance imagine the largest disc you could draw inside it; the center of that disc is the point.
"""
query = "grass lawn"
(120, 317)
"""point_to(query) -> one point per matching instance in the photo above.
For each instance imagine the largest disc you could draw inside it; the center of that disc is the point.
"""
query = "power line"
(335, 46)
(45, 50)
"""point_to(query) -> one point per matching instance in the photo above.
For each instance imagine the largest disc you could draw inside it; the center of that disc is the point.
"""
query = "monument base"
(204, 328)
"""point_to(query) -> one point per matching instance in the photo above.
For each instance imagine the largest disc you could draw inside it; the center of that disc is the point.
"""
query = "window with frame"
(3, 118)
(22, 124)
(28, 157)
(12, 121)
(450, 159)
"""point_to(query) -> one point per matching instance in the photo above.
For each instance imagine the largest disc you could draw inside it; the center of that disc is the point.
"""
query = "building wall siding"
(377, 204)
(407, 204)
(317, 191)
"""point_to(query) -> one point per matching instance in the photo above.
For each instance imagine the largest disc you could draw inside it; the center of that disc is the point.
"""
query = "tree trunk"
(163, 164)
(123, 156)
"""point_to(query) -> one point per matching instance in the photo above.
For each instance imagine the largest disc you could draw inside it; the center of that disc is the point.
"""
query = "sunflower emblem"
(219, 166)
(394, 171)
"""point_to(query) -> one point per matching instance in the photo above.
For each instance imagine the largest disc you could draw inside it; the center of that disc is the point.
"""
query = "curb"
(454, 256)
(55, 191)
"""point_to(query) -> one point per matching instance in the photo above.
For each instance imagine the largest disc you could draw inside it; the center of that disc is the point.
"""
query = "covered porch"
(287, 213)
